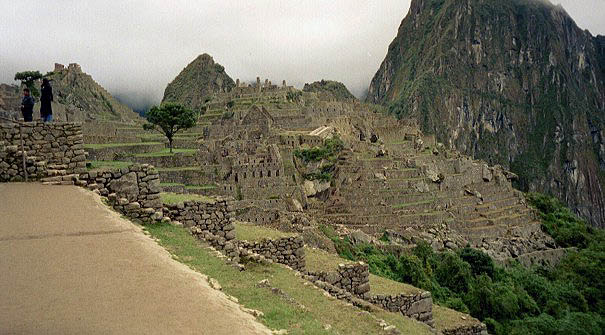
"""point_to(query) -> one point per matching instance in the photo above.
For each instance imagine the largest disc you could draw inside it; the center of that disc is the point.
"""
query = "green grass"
(384, 286)
(446, 318)
(318, 260)
(175, 198)
(166, 153)
(252, 233)
(94, 165)
(171, 184)
(301, 310)
(200, 187)
(186, 168)
(117, 145)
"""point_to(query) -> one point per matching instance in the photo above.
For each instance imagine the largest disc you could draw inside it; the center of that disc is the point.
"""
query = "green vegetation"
(328, 152)
(566, 299)
(252, 233)
(300, 309)
(176, 169)
(293, 96)
(167, 152)
(117, 145)
(96, 165)
(176, 198)
(200, 187)
(28, 78)
(169, 119)
(334, 89)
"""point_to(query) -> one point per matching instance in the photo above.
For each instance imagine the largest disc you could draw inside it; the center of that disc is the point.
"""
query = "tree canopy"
(28, 78)
(170, 118)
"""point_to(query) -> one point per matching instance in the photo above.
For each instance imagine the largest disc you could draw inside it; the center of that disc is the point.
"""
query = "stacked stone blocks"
(353, 280)
(288, 251)
(54, 151)
(211, 221)
(133, 191)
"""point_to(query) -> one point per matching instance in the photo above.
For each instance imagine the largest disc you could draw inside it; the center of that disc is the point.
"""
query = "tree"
(28, 78)
(170, 118)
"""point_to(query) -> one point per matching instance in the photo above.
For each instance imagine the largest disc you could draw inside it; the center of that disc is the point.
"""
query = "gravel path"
(69, 265)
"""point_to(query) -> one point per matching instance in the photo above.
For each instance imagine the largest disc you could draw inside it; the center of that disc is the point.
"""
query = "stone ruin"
(252, 163)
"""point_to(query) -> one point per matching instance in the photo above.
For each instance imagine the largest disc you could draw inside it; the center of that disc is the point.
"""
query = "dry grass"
(446, 318)
(319, 260)
(176, 198)
(252, 233)
(384, 286)
(302, 309)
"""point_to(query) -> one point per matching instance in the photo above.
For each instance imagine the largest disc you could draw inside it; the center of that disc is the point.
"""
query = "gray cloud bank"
(134, 48)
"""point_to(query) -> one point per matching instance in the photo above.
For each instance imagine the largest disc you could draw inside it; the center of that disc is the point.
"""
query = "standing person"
(27, 105)
(46, 109)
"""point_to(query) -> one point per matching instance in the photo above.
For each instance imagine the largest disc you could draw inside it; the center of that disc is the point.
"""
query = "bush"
(328, 150)
(480, 262)
(568, 299)
(558, 221)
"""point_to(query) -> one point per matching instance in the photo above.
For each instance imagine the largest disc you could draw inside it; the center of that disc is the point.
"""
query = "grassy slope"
(306, 312)
(175, 198)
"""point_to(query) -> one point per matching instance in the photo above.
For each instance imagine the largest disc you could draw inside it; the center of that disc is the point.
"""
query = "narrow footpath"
(70, 265)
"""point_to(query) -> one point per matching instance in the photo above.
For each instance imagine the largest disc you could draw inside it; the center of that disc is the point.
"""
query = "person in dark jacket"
(46, 110)
(27, 106)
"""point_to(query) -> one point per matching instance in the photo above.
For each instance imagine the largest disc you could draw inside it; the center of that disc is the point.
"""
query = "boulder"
(315, 187)
(293, 205)
(486, 173)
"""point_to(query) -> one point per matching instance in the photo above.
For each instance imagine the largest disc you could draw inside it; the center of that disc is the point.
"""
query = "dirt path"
(69, 265)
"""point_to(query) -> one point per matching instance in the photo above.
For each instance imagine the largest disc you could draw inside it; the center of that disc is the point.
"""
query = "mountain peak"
(513, 82)
(198, 82)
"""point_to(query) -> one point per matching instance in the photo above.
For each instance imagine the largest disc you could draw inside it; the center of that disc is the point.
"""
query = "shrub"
(480, 262)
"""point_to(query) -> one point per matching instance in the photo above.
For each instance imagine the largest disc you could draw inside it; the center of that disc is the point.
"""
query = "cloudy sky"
(135, 47)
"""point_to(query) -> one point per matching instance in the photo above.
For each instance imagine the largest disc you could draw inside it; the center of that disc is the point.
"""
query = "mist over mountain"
(138, 55)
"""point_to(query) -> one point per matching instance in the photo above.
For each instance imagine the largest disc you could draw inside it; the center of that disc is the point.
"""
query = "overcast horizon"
(135, 48)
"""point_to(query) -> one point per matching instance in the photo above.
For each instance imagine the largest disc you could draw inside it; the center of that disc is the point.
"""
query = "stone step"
(58, 166)
(53, 173)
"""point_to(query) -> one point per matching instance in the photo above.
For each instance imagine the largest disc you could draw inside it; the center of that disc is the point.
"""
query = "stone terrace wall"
(289, 251)
(11, 164)
(133, 191)
(58, 146)
(415, 306)
(353, 278)
(478, 329)
(211, 221)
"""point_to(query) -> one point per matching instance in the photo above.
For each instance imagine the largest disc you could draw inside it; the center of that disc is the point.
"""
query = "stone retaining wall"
(211, 221)
(415, 306)
(11, 165)
(289, 251)
(52, 150)
(133, 191)
(353, 278)
(478, 329)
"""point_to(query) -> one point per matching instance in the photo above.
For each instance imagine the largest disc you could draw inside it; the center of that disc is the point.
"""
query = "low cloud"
(135, 48)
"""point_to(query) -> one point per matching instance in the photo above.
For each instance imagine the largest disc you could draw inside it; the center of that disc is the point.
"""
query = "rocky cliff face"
(196, 84)
(332, 90)
(77, 98)
(512, 82)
